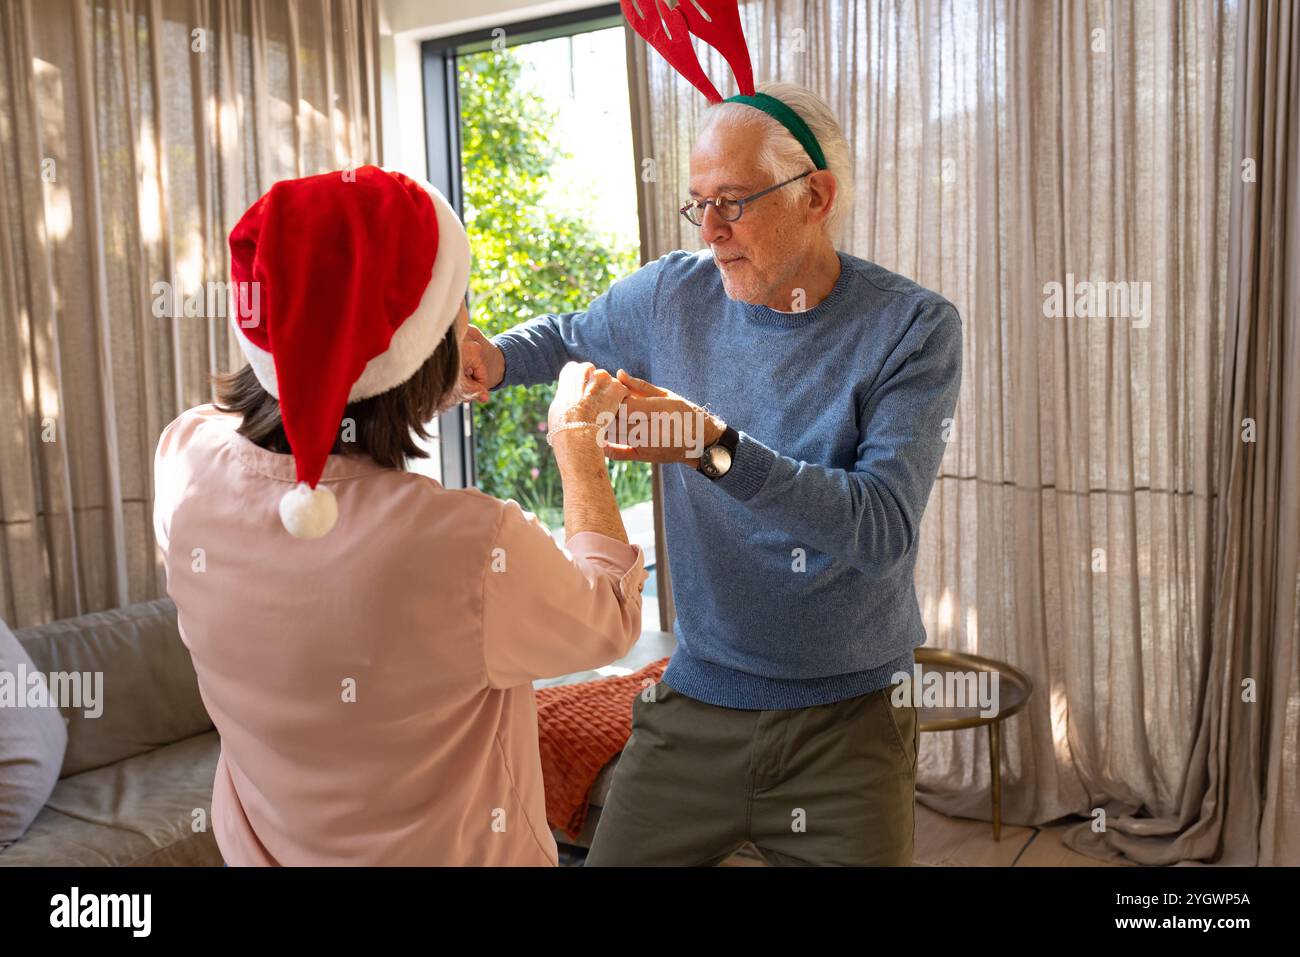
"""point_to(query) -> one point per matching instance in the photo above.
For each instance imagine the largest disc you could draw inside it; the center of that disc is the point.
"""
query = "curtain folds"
(133, 134)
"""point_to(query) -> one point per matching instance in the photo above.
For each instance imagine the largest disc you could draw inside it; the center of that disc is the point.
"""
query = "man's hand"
(482, 366)
(668, 428)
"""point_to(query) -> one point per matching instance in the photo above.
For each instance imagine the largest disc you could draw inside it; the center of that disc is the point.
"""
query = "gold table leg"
(995, 773)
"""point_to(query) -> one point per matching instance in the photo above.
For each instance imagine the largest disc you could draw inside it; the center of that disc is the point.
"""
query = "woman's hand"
(582, 394)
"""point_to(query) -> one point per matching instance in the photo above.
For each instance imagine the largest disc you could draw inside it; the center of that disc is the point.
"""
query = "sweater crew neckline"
(768, 316)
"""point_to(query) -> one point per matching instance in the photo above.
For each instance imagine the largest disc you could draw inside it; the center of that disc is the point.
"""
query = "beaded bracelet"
(567, 426)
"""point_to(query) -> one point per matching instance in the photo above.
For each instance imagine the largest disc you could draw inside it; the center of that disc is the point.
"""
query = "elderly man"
(792, 525)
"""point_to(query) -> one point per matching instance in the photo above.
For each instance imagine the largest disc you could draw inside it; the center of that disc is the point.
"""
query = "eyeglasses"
(729, 209)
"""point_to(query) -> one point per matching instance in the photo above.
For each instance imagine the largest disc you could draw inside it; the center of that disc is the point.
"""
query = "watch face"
(718, 462)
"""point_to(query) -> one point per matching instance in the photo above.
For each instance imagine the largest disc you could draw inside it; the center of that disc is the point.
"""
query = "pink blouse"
(372, 688)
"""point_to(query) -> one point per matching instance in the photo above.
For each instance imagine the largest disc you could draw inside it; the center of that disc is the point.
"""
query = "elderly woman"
(365, 639)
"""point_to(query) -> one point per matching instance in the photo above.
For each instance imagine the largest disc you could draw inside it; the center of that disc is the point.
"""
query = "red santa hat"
(358, 276)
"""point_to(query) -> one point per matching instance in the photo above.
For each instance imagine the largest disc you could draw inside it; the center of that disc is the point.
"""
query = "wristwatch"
(715, 461)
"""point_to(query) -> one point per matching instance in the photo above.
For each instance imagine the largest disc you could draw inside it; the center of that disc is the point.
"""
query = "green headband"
(788, 118)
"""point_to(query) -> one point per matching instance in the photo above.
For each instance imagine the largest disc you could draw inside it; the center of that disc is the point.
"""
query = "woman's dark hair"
(386, 425)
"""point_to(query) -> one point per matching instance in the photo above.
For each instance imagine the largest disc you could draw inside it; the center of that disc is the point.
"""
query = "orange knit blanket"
(580, 728)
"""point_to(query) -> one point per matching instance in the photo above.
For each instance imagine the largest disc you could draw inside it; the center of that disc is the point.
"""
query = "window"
(551, 212)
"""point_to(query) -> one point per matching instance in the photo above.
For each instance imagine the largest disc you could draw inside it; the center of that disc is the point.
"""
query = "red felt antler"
(716, 22)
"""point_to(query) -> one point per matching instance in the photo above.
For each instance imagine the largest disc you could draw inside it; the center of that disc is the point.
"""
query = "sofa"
(135, 785)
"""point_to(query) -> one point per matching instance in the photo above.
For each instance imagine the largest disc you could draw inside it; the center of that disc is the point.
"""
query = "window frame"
(438, 56)
(442, 145)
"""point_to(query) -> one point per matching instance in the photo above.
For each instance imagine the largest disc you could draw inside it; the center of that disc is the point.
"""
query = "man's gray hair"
(782, 156)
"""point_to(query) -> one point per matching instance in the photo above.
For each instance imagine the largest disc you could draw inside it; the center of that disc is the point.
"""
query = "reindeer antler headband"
(667, 24)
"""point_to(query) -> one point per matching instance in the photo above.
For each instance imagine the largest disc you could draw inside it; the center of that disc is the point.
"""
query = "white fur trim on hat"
(308, 512)
(419, 335)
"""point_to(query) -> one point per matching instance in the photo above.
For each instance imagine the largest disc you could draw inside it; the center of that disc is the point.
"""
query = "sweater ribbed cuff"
(507, 345)
(749, 469)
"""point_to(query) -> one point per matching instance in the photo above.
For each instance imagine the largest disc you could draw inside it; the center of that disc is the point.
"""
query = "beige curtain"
(1240, 802)
(133, 134)
(1077, 527)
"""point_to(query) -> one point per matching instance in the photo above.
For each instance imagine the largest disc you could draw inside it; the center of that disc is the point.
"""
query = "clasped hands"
(632, 419)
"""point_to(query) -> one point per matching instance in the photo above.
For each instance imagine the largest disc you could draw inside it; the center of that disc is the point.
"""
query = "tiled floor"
(954, 842)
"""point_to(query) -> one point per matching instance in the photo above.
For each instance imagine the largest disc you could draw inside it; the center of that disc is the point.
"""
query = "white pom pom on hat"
(354, 278)
(309, 512)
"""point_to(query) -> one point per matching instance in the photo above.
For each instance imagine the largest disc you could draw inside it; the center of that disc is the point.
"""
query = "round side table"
(1014, 689)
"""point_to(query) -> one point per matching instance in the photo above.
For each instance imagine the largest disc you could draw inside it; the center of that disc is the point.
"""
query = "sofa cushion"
(141, 811)
(33, 740)
(150, 695)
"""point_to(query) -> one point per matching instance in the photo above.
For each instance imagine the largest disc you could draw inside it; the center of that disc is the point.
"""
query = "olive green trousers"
(832, 784)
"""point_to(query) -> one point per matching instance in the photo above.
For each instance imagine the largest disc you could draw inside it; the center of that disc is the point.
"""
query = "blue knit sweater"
(792, 574)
